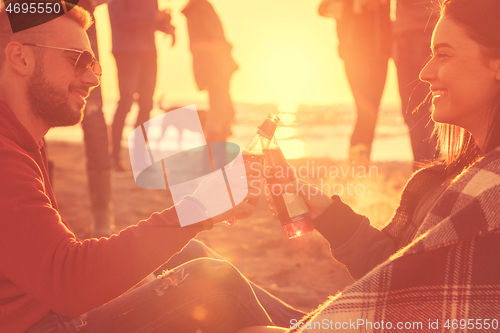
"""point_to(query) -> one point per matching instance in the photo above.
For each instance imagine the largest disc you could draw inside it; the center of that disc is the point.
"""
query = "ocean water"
(305, 131)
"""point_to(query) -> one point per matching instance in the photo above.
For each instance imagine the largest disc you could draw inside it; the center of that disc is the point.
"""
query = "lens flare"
(199, 313)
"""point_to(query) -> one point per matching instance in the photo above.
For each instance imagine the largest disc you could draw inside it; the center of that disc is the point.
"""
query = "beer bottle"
(253, 151)
(293, 212)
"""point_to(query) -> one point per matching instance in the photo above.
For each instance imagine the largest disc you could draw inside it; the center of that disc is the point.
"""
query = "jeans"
(221, 113)
(412, 53)
(95, 131)
(367, 80)
(95, 135)
(279, 312)
(205, 293)
(136, 74)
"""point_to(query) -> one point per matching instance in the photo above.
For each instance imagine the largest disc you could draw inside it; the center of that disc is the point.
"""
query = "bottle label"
(296, 206)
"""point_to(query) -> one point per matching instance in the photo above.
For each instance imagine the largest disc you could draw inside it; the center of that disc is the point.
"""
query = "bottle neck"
(267, 129)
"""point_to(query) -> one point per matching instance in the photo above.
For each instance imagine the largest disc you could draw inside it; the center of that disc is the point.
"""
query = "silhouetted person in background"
(213, 66)
(95, 135)
(413, 28)
(133, 24)
(364, 33)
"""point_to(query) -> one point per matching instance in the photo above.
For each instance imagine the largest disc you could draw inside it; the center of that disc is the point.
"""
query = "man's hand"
(246, 208)
(246, 187)
(163, 22)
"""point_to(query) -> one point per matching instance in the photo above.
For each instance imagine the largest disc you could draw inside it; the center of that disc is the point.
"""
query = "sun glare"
(287, 118)
(287, 107)
(283, 133)
(292, 148)
(289, 68)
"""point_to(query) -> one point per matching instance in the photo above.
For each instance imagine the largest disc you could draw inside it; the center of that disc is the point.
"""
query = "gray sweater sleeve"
(353, 241)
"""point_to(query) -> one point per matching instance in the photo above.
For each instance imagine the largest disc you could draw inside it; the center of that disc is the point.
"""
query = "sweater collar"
(13, 129)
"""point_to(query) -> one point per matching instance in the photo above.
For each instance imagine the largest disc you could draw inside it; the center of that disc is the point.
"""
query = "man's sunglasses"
(84, 61)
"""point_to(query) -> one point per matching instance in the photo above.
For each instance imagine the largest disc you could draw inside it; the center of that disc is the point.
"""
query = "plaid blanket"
(446, 280)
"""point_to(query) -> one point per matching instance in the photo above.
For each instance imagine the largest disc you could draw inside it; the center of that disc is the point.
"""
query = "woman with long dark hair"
(436, 265)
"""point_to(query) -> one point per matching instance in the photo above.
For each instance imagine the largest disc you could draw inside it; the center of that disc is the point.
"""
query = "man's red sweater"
(43, 265)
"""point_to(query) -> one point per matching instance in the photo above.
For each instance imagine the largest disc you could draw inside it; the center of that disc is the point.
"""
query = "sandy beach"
(299, 271)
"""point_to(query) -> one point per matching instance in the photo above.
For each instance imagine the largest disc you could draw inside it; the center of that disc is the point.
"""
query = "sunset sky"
(287, 55)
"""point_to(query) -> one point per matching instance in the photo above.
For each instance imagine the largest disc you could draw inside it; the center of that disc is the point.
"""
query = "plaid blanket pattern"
(446, 280)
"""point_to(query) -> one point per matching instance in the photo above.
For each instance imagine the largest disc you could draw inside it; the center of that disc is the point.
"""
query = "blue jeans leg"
(367, 80)
(206, 294)
(95, 135)
(280, 312)
(136, 74)
(95, 131)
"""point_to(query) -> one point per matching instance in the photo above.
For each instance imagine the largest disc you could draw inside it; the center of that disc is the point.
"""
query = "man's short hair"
(36, 34)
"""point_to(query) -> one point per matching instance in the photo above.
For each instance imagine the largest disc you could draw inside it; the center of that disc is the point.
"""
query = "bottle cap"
(269, 126)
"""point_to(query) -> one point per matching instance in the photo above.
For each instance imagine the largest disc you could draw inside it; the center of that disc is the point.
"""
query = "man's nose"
(90, 78)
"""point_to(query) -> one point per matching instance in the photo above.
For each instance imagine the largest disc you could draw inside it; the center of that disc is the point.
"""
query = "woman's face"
(463, 81)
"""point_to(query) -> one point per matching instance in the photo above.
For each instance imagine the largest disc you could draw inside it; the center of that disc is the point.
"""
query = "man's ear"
(20, 58)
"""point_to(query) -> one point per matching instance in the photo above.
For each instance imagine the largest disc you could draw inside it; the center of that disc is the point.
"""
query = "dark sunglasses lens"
(97, 69)
(85, 61)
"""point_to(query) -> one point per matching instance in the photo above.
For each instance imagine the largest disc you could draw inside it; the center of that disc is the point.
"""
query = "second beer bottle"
(293, 212)
(253, 151)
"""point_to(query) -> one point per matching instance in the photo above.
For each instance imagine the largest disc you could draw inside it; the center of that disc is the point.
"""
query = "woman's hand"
(316, 200)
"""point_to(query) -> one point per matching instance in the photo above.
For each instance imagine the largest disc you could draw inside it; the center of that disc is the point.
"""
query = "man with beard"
(50, 280)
